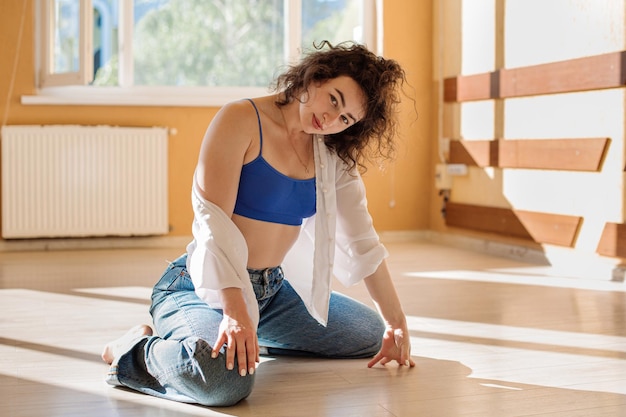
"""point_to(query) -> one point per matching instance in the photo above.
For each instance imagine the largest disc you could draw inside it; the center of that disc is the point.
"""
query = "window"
(177, 48)
(65, 42)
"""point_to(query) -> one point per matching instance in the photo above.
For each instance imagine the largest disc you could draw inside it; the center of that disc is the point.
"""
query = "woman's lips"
(316, 123)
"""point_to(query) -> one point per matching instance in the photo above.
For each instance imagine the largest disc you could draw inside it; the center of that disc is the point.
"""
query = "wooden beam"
(558, 154)
(581, 74)
(556, 229)
(613, 240)
(578, 154)
(482, 153)
(471, 87)
(539, 227)
(486, 219)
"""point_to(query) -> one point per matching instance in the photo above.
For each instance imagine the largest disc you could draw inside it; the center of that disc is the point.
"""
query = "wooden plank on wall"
(559, 154)
(486, 219)
(585, 154)
(539, 227)
(556, 229)
(613, 240)
(581, 74)
(471, 87)
(473, 152)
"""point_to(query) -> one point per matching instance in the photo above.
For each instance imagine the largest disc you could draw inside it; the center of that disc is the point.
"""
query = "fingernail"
(230, 366)
(407, 363)
(251, 371)
(214, 354)
(242, 372)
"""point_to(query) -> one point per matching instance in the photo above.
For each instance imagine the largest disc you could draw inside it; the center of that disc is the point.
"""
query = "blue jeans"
(177, 363)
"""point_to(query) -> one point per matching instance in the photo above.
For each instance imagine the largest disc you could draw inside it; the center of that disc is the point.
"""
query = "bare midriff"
(268, 243)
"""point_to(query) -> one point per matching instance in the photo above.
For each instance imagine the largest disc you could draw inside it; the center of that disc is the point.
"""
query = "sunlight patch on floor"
(510, 355)
(503, 333)
(123, 292)
(525, 276)
(501, 386)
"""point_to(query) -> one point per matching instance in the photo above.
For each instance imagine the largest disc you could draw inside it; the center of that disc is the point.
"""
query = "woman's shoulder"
(247, 111)
(236, 118)
(243, 108)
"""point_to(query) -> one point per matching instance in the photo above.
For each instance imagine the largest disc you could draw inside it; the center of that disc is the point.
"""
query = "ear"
(304, 97)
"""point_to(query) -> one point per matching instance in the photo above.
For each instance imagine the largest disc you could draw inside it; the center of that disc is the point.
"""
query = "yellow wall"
(399, 196)
(407, 38)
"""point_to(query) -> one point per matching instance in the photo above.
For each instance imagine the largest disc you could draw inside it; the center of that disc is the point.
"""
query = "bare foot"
(111, 350)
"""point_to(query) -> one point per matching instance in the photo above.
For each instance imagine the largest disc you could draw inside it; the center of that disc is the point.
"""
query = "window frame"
(83, 75)
(60, 89)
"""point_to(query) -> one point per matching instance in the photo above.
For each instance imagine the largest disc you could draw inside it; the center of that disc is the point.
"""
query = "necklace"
(304, 165)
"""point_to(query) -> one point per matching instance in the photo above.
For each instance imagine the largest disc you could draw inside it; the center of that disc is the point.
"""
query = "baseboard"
(491, 247)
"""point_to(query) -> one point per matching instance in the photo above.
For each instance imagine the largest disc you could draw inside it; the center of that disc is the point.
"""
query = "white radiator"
(78, 181)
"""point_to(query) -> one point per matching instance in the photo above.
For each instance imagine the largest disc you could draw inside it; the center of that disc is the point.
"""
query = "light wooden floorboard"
(491, 337)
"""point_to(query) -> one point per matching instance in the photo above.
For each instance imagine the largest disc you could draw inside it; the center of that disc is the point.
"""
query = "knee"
(375, 335)
(211, 384)
(225, 394)
(378, 326)
(370, 337)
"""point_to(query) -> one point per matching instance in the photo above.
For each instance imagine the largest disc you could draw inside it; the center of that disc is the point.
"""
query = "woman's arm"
(238, 333)
(225, 148)
(396, 340)
(360, 255)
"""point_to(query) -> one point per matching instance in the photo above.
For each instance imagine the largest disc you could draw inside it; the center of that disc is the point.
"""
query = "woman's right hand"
(238, 333)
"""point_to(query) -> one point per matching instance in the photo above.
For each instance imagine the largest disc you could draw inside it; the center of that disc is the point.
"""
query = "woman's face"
(332, 106)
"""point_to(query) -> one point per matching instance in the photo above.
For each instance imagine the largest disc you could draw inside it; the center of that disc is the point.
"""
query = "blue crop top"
(268, 195)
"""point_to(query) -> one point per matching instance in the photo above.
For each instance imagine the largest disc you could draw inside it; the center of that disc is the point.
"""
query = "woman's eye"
(333, 100)
(345, 120)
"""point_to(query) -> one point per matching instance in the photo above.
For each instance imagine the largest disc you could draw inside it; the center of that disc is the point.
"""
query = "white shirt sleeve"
(218, 255)
(358, 250)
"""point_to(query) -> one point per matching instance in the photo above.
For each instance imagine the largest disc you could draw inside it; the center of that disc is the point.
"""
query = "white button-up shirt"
(339, 239)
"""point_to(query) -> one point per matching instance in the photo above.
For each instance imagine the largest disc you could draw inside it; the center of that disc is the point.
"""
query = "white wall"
(484, 35)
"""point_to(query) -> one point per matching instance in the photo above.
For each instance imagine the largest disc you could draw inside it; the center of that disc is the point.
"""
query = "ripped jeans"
(177, 363)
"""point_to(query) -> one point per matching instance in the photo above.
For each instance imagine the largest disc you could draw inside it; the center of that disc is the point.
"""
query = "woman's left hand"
(396, 340)
(396, 347)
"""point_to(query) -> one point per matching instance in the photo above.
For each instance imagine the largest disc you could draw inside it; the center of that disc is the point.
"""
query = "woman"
(279, 208)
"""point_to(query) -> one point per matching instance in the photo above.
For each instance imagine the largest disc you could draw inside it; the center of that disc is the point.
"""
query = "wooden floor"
(491, 337)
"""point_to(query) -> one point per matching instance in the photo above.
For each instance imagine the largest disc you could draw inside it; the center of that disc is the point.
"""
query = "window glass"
(188, 43)
(105, 42)
(195, 42)
(332, 20)
(66, 33)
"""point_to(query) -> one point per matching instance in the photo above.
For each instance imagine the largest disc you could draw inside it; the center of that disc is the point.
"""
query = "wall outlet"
(457, 169)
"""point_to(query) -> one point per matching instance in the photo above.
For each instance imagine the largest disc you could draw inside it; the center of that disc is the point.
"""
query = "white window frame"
(46, 76)
(60, 89)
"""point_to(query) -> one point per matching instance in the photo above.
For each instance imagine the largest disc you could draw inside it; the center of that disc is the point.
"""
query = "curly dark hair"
(379, 78)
